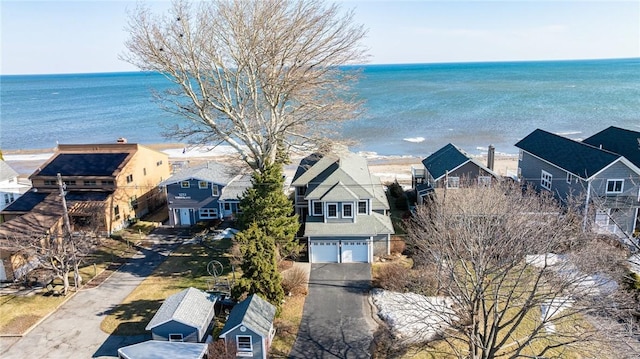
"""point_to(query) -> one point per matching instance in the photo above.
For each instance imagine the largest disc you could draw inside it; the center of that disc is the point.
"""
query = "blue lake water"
(410, 109)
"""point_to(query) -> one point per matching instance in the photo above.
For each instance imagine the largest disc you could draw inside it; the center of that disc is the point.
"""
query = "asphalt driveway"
(336, 321)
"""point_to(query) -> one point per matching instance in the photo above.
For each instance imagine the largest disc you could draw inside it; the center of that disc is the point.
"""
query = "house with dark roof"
(607, 182)
(249, 328)
(184, 317)
(449, 167)
(343, 207)
(203, 193)
(114, 182)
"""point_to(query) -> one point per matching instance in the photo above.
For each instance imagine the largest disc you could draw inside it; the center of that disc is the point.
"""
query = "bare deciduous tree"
(519, 273)
(260, 75)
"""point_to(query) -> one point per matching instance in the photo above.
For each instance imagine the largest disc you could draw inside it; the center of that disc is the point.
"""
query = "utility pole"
(67, 230)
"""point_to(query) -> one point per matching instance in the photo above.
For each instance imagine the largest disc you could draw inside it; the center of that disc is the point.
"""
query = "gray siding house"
(608, 183)
(184, 317)
(204, 193)
(449, 167)
(249, 327)
(343, 207)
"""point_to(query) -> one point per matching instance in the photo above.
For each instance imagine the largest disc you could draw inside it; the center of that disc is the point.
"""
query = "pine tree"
(259, 267)
(267, 205)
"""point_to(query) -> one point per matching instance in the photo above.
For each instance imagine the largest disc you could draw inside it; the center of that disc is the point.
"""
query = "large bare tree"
(259, 75)
(521, 277)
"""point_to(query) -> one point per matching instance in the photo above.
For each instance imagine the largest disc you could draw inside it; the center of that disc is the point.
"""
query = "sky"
(48, 37)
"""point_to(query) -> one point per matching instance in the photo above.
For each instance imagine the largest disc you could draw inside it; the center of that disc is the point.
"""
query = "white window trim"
(206, 184)
(366, 207)
(615, 180)
(330, 205)
(343, 211)
(176, 340)
(185, 184)
(543, 180)
(250, 349)
(208, 213)
(313, 208)
(215, 190)
(455, 179)
(569, 177)
(484, 180)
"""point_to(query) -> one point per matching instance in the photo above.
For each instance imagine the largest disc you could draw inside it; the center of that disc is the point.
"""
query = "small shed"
(156, 349)
(184, 317)
(250, 327)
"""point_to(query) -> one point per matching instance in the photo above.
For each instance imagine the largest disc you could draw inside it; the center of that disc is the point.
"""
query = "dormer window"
(214, 190)
(362, 207)
(347, 210)
(185, 184)
(332, 210)
(203, 184)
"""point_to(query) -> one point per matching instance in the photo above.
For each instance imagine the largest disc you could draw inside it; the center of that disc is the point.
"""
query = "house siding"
(162, 332)
(381, 245)
(194, 198)
(468, 174)
(256, 341)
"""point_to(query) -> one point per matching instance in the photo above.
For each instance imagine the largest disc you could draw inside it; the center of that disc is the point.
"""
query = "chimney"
(491, 156)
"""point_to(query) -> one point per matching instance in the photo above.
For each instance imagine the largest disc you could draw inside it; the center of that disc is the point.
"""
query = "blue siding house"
(607, 182)
(249, 328)
(203, 193)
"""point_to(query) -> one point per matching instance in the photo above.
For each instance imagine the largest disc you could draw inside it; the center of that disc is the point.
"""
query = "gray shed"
(250, 327)
(185, 316)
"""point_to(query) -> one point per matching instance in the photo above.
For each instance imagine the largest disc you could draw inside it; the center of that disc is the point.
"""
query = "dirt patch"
(19, 324)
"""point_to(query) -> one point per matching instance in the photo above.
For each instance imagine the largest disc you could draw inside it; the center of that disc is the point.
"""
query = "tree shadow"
(133, 316)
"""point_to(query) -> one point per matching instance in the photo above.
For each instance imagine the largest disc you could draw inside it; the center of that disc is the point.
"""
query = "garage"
(324, 252)
(355, 251)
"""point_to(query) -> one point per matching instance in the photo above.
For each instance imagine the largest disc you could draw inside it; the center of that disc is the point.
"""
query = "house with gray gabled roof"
(343, 207)
(156, 349)
(184, 317)
(618, 140)
(203, 193)
(249, 327)
(449, 167)
(607, 182)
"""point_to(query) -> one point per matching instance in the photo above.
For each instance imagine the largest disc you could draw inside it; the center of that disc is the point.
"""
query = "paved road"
(336, 321)
(73, 331)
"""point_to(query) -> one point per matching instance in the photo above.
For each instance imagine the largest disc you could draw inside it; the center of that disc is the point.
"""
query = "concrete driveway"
(73, 331)
(336, 321)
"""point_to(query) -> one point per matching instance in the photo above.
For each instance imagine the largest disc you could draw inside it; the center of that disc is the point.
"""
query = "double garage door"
(339, 251)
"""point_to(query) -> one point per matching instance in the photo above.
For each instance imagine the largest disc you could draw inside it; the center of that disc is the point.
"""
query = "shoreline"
(388, 168)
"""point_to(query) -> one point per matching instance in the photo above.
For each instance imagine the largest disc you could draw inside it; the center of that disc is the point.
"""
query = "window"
(8, 198)
(243, 343)
(203, 184)
(227, 206)
(484, 181)
(159, 163)
(569, 178)
(362, 207)
(107, 183)
(144, 171)
(69, 183)
(134, 202)
(545, 179)
(49, 182)
(129, 178)
(116, 212)
(301, 190)
(90, 183)
(615, 186)
(317, 208)
(185, 184)
(207, 213)
(347, 210)
(214, 190)
(453, 182)
(175, 337)
(332, 210)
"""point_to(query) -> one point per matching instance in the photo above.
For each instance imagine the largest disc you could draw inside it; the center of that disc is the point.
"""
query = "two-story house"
(343, 207)
(207, 192)
(607, 182)
(450, 167)
(106, 185)
(10, 186)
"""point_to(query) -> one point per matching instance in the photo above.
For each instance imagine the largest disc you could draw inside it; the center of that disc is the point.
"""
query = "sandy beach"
(388, 168)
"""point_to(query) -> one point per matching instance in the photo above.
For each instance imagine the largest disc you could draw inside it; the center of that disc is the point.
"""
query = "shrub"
(385, 345)
(397, 245)
(398, 278)
(294, 281)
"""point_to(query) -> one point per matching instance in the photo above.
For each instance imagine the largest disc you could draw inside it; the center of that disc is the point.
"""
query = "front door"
(185, 217)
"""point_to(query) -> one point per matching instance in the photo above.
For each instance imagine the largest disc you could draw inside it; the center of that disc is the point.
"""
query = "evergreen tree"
(267, 205)
(259, 267)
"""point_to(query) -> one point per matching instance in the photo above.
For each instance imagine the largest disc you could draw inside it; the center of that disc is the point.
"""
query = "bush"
(397, 245)
(294, 281)
(398, 278)
(385, 345)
